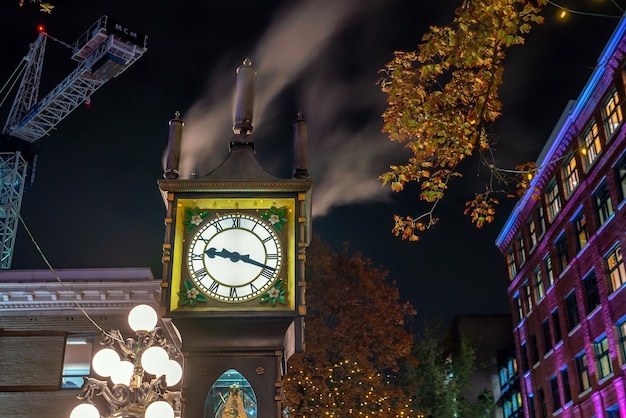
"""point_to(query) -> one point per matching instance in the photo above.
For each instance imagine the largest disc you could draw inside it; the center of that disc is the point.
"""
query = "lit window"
(518, 305)
(556, 325)
(562, 255)
(539, 287)
(570, 175)
(521, 251)
(510, 262)
(572, 311)
(567, 394)
(547, 264)
(532, 232)
(547, 338)
(605, 367)
(76, 361)
(582, 371)
(591, 144)
(621, 334)
(580, 229)
(612, 113)
(592, 296)
(615, 268)
(553, 201)
(602, 200)
(554, 388)
(528, 294)
(503, 377)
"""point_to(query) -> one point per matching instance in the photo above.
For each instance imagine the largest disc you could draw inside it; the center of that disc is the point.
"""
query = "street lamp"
(126, 363)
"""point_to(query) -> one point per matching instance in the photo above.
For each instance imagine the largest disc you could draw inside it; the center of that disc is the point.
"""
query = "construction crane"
(103, 52)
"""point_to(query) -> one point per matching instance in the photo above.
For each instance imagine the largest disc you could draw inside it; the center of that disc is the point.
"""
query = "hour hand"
(212, 252)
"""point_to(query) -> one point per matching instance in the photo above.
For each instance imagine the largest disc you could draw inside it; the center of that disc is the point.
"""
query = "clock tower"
(233, 270)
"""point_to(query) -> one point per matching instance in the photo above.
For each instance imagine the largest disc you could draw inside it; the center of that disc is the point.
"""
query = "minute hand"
(246, 259)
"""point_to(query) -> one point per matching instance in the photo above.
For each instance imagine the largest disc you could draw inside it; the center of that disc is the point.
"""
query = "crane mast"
(103, 52)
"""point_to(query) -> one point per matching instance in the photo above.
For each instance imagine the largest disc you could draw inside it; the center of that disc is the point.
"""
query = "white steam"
(347, 151)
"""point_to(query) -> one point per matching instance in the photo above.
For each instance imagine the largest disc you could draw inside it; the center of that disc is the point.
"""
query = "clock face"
(234, 257)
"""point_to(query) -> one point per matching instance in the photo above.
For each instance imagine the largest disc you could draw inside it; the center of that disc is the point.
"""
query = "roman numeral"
(218, 227)
(272, 256)
(236, 222)
(253, 288)
(201, 272)
(267, 273)
(196, 257)
(233, 292)
(267, 239)
(214, 287)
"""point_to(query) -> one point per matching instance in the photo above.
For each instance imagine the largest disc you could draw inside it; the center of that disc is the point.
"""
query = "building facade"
(563, 246)
(49, 331)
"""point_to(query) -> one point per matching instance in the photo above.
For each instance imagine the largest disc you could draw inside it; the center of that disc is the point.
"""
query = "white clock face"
(234, 257)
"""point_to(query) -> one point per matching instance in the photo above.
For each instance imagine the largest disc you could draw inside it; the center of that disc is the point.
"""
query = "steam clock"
(233, 270)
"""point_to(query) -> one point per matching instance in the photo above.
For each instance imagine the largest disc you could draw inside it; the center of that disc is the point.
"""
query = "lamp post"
(127, 363)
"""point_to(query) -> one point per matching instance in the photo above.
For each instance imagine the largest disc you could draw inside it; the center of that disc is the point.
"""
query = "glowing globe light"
(173, 373)
(154, 359)
(85, 410)
(159, 409)
(122, 373)
(104, 362)
(142, 318)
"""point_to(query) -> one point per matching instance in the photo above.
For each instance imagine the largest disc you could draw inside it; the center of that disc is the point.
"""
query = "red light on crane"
(40, 28)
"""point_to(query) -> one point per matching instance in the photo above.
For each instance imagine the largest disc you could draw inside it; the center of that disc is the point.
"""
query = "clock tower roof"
(240, 164)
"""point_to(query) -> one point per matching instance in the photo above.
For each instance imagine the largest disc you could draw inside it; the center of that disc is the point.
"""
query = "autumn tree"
(440, 377)
(355, 341)
(442, 100)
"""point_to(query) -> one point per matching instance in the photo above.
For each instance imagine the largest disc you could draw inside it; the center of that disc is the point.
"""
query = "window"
(602, 200)
(534, 353)
(605, 368)
(542, 403)
(611, 113)
(531, 406)
(592, 296)
(524, 353)
(521, 251)
(553, 202)
(528, 294)
(615, 268)
(572, 311)
(567, 393)
(556, 326)
(570, 175)
(76, 361)
(583, 372)
(532, 232)
(539, 288)
(503, 377)
(542, 220)
(580, 229)
(518, 305)
(547, 264)
(621, 335)
(562, 256)
(620, 170)
(613, 412)
(547, 338)
(554, 388)
(510, 262)
(591, 144)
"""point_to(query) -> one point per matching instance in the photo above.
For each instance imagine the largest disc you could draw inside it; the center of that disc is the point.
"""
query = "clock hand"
(247, 259)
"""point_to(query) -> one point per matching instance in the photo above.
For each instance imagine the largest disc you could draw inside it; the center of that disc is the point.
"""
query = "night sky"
(95, 202)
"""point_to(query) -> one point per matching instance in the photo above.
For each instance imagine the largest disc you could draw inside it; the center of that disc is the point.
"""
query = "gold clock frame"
(218, 206)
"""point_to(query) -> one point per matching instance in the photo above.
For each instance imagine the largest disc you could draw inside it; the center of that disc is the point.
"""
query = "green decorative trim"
(275, 294)
(194, 217)
(190, 295)
(276, 217)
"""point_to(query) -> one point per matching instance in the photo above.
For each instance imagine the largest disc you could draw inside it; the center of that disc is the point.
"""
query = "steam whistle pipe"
(300, 148)
(244, 98)
(173, 147)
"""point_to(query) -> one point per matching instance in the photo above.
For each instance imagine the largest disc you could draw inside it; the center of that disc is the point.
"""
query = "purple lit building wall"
(563, 247)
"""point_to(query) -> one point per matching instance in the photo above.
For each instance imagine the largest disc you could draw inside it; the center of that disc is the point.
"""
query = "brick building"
(47, 342)
(563, 247)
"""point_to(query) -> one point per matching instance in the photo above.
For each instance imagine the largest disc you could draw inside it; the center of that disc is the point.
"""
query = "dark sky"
(95, 203)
